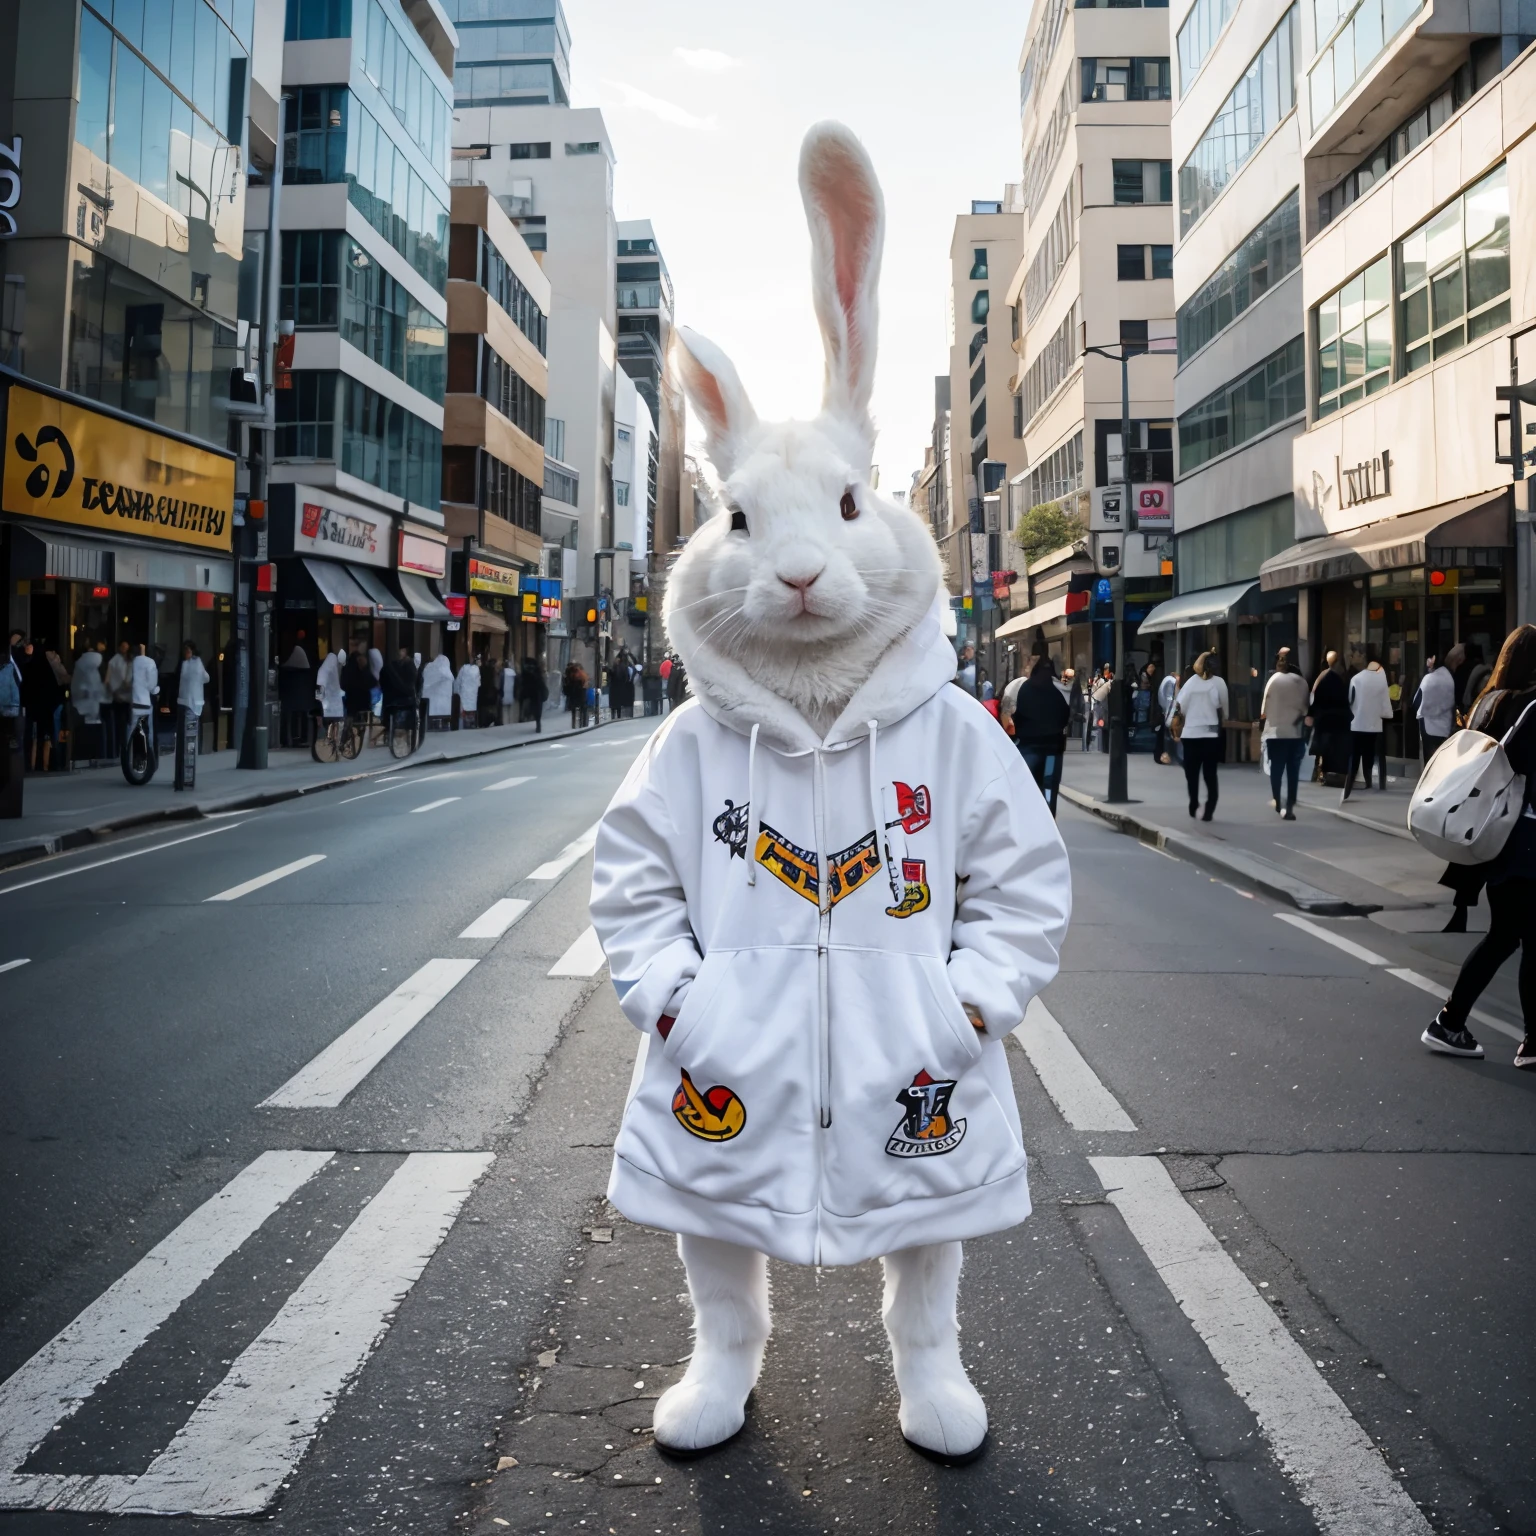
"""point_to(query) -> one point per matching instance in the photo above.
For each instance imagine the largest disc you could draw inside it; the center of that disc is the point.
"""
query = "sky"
(706, 105)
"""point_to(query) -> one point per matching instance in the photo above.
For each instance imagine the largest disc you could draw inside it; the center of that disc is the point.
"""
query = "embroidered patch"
(730, 828)
(914, 874)
(926, 1129)
(794, 865)
(914, 808)
(852, 867)
(714, 1115)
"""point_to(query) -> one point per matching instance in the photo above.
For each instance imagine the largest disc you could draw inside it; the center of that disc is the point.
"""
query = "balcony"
(642, 296)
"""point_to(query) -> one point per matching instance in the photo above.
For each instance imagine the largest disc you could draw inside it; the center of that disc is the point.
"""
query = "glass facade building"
(511, 53)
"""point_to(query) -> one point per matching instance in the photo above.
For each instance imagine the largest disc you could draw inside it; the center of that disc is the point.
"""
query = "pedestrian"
(357, 685)
(87, 694)
(1510, 878)
(621, 686)
(41, 697)
(1434, 706)
(574, 687)
(1167, 691)
(1330, 721)
(144, 689)
(1202, 706)
(333, 702)
(1474, 679)
(965, 673)
(11, 722)
(1284, 713)
(1100, 700)
(466, 687)
(295, 695)
(532, 692)
(1370, 707)
(401, 685)
(437, 688)
(1040, 716)
(189, 714)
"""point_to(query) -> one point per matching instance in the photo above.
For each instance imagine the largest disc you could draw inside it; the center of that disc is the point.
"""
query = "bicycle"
(339, 738)
(404, 731)
(139, 757)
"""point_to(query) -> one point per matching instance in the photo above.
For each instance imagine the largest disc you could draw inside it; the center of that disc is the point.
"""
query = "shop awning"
(1046, 613)
(424, 604)
(338, 588)
(486, 620)
(386, 605)
(1211, 605)
(1475, 522)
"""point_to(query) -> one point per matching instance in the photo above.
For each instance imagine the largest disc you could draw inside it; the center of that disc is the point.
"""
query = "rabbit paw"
(699, 1413)
(944, 1415)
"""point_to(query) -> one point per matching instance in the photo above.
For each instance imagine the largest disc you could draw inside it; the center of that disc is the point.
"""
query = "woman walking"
(1504, 704)
(1202, 704)
(574, 687)
(1284, 713)
(1331, 715)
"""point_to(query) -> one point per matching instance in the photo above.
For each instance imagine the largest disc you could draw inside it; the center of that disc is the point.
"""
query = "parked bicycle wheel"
(325, 748)
(139, 760)
(402, 733)
(353, 736)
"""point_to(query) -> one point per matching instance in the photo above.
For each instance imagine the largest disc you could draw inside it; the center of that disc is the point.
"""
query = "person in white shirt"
(467, 686)
(1436, 711)
(1202, 702)
(119, 694)
(144, 689)
(1167, 691)
(1370, 707)
(189, 710)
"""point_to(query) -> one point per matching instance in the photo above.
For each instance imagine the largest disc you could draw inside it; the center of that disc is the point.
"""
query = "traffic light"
(589, 617)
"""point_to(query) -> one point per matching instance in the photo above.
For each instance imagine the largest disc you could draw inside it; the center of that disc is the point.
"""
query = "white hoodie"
(1370, 702)
(328, 687)
(437, 685)
(814, 914)
(467, 686)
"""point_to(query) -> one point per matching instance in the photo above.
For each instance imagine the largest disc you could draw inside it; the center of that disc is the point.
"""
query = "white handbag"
(1468, 798)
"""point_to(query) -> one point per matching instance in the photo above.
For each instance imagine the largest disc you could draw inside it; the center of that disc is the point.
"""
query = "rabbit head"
(808, 576)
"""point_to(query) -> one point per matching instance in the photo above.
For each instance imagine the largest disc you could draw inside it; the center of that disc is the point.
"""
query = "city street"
(307, 1118)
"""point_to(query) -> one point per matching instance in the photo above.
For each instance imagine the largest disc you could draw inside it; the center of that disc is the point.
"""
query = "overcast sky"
(706, 105)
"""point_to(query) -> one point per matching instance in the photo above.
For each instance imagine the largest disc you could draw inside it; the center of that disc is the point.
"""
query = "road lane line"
(1085, 1103)
(1338, 1472)
(245, 1438)
(349, 1058)
(584, 958)
(526, 778)
(568, 855)
(235, 892)
(117, 858)
(10, 965)
(496, 919)
(432, 805)
(66, 1370)
(400, 782)
(1359, 951)
(1440, 990)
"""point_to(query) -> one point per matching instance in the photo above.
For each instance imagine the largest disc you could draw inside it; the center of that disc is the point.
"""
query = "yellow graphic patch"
(798, 869)
(714, 1115)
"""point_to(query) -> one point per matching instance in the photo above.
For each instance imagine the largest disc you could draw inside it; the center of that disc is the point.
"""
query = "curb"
(1247, 868)
(83, 837)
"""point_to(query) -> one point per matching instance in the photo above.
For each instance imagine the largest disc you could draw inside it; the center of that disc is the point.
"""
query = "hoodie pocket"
(696, 1004)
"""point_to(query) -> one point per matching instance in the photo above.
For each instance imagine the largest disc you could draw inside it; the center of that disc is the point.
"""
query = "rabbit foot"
(708, 1406)
(941, 1412)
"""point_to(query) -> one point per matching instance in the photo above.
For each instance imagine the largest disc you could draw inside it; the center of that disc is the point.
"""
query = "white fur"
(786, 624)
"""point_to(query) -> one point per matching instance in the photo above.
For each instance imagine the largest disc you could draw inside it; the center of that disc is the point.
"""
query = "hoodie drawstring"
(877, 810)
(754, 820)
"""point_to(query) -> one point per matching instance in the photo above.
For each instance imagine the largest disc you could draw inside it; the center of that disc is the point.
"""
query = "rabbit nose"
(801, 583)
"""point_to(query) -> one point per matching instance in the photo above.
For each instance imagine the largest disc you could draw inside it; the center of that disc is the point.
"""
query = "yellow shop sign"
(70, 464)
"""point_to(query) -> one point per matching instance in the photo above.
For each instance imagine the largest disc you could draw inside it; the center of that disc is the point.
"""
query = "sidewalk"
(69, 810)
(1334, 861)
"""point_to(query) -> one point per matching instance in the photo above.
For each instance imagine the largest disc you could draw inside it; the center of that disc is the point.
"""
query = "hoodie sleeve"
(1014, 900)
(638, 905)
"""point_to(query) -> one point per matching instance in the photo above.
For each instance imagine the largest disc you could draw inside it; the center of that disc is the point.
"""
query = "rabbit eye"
(738, 520)
(849, 507)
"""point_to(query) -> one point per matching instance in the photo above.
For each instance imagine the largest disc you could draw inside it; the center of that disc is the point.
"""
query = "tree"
(1046, 527)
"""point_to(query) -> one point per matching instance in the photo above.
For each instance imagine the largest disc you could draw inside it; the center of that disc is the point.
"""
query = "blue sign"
(1102, 591)
(544, 587)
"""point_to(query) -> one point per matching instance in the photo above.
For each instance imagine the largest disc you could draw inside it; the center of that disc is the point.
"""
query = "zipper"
(823, 938)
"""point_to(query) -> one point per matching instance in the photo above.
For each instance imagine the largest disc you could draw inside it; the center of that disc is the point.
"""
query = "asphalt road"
(300, 1197)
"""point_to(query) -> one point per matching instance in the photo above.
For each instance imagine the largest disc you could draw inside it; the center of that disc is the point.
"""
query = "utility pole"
(1517, 394)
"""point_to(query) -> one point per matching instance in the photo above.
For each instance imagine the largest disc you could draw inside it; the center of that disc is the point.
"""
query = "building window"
(503, 387)
(1233, 547)
(1151, 451)
(389, 447)
(318, 18)
(979, 264)
(310, 285)
(1354, 339)
(1265, 94)
(1350, 36)
(1130, 263)
(1126, 80)
(1266, 395)
(621, 493)
(1162, 261)
(1042, 154)
(416, 93)
(560, 484)
(306, 416)
(1048, 261)
(1133, 337)
(1059, 474)
(587, 147)
(1270, 253)
(1056, 359)
(980, 302)
(1198, 34)
(1453, 273)
(528, 151)
(316, 151)
(1018, 415)
(507, 288)
(1143, 181)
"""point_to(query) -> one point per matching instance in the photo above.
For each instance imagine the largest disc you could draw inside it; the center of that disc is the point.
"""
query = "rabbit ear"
(715, 392)
(846, 213)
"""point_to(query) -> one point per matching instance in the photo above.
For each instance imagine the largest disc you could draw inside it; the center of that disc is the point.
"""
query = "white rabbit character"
(827, 889)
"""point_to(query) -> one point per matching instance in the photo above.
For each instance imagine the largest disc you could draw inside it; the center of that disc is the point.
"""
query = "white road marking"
(1338, 1472)
(235, 892)
(432, 805)
(1440, 990)
(496, 919)
(400, 782)
(567, 856)
(66, 1370)
(117, 858)
(584, 958)
(1359, 951)
(10, 965)
(348, 1059)
(245, 1438)
(1085, 1103)
(526, 778)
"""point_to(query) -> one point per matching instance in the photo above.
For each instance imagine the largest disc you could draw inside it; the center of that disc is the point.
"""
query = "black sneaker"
(1449, 1041)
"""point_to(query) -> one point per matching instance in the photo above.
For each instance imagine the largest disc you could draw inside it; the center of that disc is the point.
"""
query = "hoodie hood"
(907, 675)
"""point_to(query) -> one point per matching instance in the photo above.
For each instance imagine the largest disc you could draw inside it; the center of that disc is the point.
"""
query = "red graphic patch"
(914, 807)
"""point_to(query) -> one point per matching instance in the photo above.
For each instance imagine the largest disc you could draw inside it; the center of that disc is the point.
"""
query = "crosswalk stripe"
(1440, 990)
(235, 892)
(1338, 1472)
(562, 861)
(584, 958)
(496, 919)
(1075, 1089)
(523, 778)
(348, 1059)
(66, 1370)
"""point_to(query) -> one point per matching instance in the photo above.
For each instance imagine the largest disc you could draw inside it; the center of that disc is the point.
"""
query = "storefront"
(113, 531)
(494, 589)
(421, 567)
